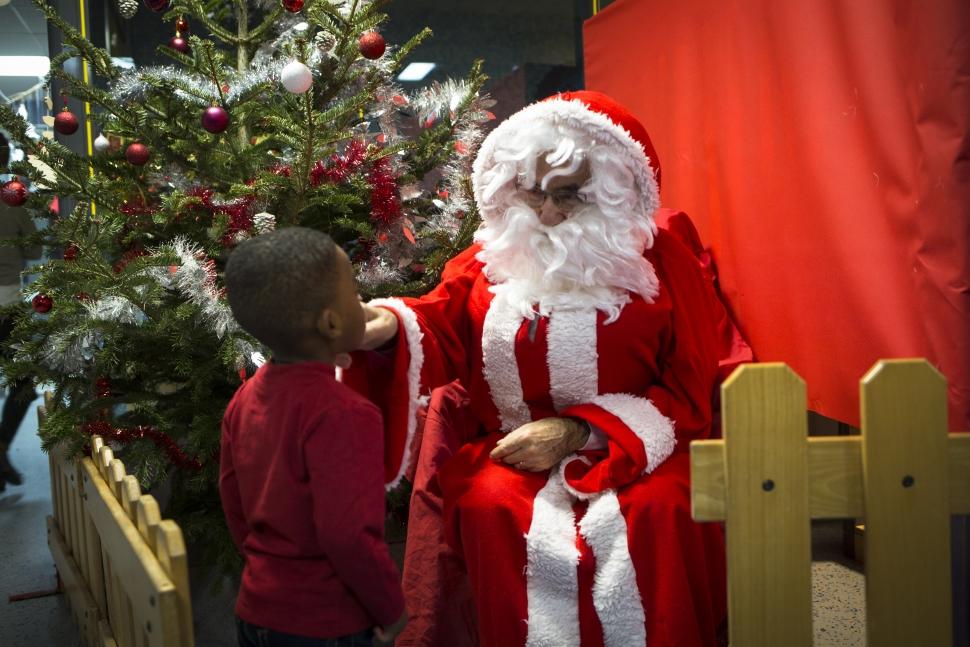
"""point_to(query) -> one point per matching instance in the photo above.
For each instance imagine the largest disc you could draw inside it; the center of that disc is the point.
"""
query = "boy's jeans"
(253, 636)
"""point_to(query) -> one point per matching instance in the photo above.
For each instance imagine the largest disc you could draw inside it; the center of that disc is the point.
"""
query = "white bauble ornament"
(101, 144)
(296, 77)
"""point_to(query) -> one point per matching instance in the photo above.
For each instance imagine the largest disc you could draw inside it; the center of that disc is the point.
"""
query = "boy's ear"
(329, 324)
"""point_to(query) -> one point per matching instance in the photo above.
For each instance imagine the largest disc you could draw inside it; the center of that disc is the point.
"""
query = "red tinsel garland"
(340, 167)
(126, 435)
(385, 205)
(240, 212)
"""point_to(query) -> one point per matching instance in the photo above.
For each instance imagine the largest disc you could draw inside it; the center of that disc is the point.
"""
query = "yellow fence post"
(904, 462)
(768, 528)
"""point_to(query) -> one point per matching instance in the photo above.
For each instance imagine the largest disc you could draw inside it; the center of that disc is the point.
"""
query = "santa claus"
(586, 338)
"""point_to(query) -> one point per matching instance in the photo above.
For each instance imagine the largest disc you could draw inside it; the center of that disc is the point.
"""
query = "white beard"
(590, 260)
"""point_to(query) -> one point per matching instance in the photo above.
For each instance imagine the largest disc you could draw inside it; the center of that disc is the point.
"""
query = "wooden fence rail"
(124, 569)
(905, 475)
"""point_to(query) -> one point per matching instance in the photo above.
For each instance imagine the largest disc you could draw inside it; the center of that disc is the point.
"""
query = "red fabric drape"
(823, 148)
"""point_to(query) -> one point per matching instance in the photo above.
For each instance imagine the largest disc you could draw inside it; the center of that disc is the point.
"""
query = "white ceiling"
(23, 32)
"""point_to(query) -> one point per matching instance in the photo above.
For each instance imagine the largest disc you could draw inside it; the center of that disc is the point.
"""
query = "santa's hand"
(538, 446)
(380, 327)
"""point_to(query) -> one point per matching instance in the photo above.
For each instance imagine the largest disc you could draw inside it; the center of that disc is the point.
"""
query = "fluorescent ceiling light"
(415, 71)
(24, 65)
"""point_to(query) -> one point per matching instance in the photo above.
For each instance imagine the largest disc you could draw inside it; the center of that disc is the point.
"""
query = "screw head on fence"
(148, 626)
(151, 600)
(908, 481)
(768, 485)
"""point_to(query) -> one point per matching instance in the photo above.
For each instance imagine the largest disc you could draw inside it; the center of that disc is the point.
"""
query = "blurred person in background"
(15, 223)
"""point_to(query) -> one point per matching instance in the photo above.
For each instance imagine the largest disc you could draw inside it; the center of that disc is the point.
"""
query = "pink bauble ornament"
(42, 303)
(180, 45)
(137, 154)
(65, 122)
(371, 45)
(293, 6)
(13, 193)
(157, 5)
(215, 119)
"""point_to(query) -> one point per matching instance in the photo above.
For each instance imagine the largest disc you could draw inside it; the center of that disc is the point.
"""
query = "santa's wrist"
(580, 431)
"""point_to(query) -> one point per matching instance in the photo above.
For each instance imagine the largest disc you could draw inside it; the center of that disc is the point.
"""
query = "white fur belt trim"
(615, 593)
(414, 336)
(552, 570)
(552, 579)
(654, 429)
(499, 364)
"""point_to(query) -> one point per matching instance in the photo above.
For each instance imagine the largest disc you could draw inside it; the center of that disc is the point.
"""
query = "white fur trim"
(414, 336)
(615, 593)
(577, 115)
(582, 496)
(499, 365)
(655, 430)
(552, 582)
(572, 357)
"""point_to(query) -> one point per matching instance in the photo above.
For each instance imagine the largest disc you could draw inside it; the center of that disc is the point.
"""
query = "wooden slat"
(172, 555)
(130, 493)
(95, 570)
(147, 518)
(83, 607)
(768, 532)
(830, 496)
(905, 466)
(105, 636)
(132, 560)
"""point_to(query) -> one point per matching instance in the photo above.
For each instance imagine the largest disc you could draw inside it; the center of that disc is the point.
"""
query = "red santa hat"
(589, 112)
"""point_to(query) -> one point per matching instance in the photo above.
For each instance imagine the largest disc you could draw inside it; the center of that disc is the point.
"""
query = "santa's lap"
(678, 564)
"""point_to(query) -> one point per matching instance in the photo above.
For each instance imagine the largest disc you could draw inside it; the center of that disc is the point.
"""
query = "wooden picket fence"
(905, 475)
(123, 568)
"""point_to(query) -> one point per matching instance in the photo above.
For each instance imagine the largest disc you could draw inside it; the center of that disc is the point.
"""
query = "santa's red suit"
(601, 550)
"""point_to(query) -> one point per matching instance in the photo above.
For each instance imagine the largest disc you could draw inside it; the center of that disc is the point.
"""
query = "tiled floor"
(26, 565)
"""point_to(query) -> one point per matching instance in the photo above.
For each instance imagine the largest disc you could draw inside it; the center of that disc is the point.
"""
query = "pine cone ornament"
(127, 8)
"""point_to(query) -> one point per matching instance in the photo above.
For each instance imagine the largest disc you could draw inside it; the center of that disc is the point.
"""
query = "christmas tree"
(284, 115)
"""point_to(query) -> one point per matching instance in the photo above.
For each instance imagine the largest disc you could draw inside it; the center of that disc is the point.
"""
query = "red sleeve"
(344, 459)
(643, 429)
(229, 484)
(429, 351)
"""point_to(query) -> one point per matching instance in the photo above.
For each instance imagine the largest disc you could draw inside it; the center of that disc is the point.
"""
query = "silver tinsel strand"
(115, 309)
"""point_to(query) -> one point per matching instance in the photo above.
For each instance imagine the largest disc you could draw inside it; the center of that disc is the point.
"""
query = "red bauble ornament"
(13, 193)
(42, 303)
(293, 6)
(65, 122)
(215, 119)
(371, 45)
(137, 154)
(182, 26)
(157, 5)
(70, 252)
(180, 45)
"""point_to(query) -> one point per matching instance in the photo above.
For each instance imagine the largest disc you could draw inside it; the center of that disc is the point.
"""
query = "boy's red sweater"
(301, 480)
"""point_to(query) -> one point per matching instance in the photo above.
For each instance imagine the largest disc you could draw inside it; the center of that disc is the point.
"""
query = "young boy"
(301, 469)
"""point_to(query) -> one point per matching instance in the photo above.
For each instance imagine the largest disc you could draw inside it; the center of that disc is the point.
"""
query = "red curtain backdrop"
(823, 148)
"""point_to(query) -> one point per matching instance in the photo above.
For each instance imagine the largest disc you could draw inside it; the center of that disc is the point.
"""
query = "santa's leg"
(488, 512)
(680, 564)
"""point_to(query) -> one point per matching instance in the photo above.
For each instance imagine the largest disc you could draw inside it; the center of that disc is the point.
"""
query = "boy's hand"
(386, 635)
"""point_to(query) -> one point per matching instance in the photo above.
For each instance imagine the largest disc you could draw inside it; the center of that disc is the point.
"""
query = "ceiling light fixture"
(24, 65)
(415, 71)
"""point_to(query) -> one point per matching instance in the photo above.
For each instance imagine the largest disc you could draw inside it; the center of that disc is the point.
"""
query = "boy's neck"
(325, 355)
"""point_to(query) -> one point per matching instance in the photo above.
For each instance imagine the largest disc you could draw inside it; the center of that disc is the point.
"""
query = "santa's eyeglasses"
(565, 198)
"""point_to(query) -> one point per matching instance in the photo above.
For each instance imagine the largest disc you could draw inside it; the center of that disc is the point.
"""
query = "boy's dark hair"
(278, 283)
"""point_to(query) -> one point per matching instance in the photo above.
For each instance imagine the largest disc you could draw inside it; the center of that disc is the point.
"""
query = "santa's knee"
(657, 499)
